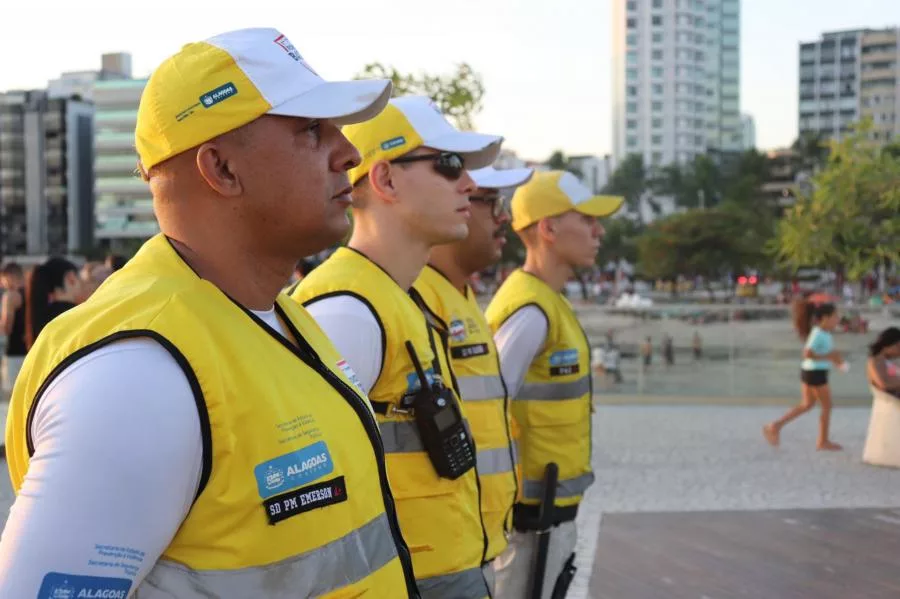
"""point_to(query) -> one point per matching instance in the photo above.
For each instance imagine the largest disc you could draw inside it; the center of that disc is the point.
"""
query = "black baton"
(545, 523)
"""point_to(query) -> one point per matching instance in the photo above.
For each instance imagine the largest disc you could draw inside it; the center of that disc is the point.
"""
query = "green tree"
(707, 242)
(629, 180)
(558, 161)
(620, 240)
(696, 184)
(811, 149)
(458, 94)
(741, 185)
(850, 219)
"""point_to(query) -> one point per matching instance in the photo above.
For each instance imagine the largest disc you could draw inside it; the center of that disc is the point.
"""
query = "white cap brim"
(344, 102)
(478, 150)
(492, 178)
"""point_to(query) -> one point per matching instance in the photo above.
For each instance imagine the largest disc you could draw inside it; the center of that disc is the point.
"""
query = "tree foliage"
(458, 94)
(850, 219)
(708, 242)
(629, 180)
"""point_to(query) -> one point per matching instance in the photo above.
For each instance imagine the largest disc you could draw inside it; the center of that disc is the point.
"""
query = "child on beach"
(815, 323)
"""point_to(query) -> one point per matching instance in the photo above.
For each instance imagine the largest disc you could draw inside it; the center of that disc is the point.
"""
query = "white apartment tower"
(676, 79)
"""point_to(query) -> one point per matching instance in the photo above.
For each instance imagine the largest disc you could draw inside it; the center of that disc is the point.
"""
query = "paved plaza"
(661, 459)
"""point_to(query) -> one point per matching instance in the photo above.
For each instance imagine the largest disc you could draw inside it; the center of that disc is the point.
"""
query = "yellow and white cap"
(550, 193)
(413, 122)
(227, 81)
(493, 178)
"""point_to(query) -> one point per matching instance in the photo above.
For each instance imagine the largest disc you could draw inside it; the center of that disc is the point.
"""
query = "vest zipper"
(309, 356)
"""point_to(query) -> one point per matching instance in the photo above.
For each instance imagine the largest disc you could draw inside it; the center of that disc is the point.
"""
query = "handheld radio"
(441, 426)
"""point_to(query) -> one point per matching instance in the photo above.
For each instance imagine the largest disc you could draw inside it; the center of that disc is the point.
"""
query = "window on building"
(631, 124)
(657, 140)
(657, 88)
(632, 74)
(631, 90)
(657, 157)
(656, 20)
(657, 37)
(630, 23)
(656, 106)
(632, 57)
(631, 39)
(657, 123)
(657, 71)
(632, 5)
(698, 140)
(631, 107)
(632, 141)
(657, 3)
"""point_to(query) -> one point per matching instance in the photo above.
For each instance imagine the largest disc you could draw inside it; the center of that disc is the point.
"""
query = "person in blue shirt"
(815, 323)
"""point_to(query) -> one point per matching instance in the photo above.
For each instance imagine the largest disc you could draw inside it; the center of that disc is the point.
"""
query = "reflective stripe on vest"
(550, 391)
(480, 388)
(400, 436)
(468, 583)
(494, 461)
(572, 487)
(312, 574)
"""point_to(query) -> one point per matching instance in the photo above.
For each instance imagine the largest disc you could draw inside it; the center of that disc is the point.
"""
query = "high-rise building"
(748, 132)
(847, 76)
(46, 178)
(81, 83)
(124, 207)
(676, 79)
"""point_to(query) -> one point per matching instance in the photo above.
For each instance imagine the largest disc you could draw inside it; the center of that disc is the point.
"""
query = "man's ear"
(547, 229)
(218, 170)
(382, 181)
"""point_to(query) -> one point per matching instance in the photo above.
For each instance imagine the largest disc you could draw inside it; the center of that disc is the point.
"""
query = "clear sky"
(546, 64)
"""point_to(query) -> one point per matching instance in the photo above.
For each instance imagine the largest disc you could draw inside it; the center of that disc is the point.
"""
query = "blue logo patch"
(393, 143)
(564, 357)
(412, 380)
(73, 586)
(458, 330)
(293, 469)
(221, 93)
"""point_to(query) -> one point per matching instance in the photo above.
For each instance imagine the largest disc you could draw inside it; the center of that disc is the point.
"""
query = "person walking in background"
(668, 350)
(12, 323)
(815, 323)
(698, 346)
(647, 351)
(881, 369)
(51, 289)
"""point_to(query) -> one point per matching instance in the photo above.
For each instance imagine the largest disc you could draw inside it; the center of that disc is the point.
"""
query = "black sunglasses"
(495, 200)
(447, 164)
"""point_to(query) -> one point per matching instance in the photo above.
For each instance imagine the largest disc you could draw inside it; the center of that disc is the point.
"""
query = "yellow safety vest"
(294, 498)
(476, 365)
(440, 518)
(553, 407)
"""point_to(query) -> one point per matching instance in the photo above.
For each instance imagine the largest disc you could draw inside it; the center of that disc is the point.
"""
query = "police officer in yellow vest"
(410, 194)
(189, 432)
(444, 287)
(545, 360)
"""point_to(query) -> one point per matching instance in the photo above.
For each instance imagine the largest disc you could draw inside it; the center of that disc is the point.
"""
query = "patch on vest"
(293, 469)
(457, 330)
(350, 374)
(72, 586)
(564, 362)
(305, 499)
(461, 352)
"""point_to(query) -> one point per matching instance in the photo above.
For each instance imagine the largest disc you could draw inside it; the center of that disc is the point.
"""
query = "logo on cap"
(213, 97)
(393, 143)
(285, 43)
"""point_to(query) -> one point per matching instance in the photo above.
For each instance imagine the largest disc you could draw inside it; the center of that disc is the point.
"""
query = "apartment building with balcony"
(847, 76)
(124, 207)
(46, 176)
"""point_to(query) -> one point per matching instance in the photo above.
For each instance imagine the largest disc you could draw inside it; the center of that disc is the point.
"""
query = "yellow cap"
(550, 193)
(413, 122)
(225, 82)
